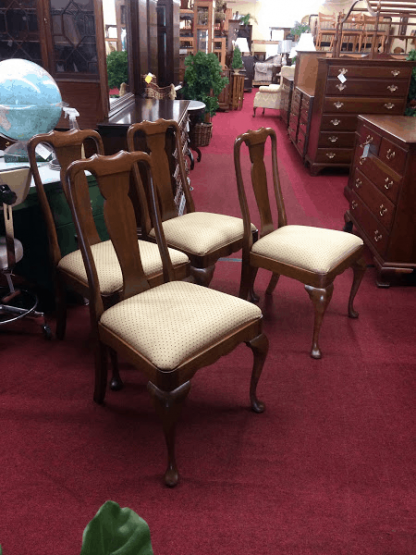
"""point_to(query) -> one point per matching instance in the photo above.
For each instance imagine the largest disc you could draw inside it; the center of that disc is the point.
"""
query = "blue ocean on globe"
(30, 101)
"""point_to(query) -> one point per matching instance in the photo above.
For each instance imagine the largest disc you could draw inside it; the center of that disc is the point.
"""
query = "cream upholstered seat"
(311, 255)
(169, 331)
(202, 232)
(108, 267)
(164, 324)
(311, 248)
(269, 97)
(204, 237)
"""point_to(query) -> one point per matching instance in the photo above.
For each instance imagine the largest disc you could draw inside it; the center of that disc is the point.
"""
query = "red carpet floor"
(328, 469)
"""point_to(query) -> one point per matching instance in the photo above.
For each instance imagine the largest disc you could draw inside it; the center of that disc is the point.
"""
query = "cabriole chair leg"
(168, 406)
(116, 382)
(359, 268)
(260, 346)
(272, 284)
(320, 299)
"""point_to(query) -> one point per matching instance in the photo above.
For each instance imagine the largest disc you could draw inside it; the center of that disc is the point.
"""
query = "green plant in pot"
(298, 29)
(245, 19)
(117, 69)
(237, 62)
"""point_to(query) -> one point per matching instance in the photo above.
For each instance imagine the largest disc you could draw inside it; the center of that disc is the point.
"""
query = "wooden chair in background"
(326, 30)
(68, 271)
(167, 332)
(204, 237)
(311, 255)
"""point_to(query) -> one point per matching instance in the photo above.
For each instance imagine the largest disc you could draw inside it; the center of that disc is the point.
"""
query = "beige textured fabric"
(270, 88)
(311, 248)
(267, 99)
(177, 320)
(201, 232)
(108, 267)
(18, 250)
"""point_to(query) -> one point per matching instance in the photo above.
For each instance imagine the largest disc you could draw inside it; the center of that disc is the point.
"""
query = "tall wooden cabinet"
(382, 192)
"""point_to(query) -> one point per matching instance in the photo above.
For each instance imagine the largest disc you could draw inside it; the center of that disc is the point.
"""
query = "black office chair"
(15, 303)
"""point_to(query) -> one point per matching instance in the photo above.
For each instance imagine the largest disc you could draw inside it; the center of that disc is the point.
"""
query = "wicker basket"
(201, 134)
(160, 93)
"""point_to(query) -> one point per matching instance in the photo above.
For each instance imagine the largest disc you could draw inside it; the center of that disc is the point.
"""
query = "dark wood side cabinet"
(300, 118)
(377, 86)
(286, 99)
(382, 192)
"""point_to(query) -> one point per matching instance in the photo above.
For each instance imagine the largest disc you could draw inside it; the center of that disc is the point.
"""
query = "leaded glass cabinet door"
(19, 31)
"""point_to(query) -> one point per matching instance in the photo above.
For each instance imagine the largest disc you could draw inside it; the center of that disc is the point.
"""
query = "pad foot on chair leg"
(171, 476)
(116, 383)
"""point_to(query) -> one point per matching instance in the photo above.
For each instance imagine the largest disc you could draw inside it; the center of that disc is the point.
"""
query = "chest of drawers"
(382, 192)
(300, 118)
(345, 88)
(286, 98)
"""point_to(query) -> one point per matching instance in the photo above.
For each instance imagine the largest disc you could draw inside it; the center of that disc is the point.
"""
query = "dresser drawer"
(301, 141)
(365, 87)
(293, 121)
(306, 102)
(296, 96)
(335, 139)
(292, 132)
(370, 72)
(383, 177)
(304, 115)
(334, 155)
(359, 105)
(369, 137)
(302, 127)
(393, 156)
(295, 107)
(379, 204)
(377, 234)
(338, 123)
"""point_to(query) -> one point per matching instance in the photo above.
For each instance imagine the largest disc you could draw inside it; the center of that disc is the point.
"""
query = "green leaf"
(117, 68)
(116, 531)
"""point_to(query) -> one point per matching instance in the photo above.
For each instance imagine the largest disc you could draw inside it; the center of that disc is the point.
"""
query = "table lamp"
(305, 43)
(286, 48)
(242, 44)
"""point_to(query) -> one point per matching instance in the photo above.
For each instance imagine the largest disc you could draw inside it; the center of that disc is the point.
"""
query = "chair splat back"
(256, 141)
(68, 148)
(156, 134)
(113, 175)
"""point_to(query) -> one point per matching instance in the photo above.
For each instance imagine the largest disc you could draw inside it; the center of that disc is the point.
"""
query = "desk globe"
(30, 103)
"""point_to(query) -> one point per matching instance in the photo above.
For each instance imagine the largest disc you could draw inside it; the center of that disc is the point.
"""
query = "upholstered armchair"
(269, 97)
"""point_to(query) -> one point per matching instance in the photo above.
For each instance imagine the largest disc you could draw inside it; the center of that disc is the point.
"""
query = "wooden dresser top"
(402, 128)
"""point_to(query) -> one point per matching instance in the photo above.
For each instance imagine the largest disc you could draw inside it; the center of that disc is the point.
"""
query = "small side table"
(196, 109)
(237, 93)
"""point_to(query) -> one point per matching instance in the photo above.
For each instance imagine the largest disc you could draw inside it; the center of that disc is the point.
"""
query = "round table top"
(196, 105)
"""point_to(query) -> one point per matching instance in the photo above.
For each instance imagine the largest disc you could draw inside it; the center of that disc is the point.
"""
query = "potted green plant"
(237, 62)
(298, 29)
(203, 82)
(245, 19)
(117, 69)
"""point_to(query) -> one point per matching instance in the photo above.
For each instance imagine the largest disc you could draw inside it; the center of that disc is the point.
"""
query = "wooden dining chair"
(326, 30)
(204, 237)
(311, 255)
(68, 269)
(169, 331)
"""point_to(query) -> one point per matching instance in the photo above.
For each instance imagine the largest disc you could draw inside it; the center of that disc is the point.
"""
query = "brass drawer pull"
(343, 71)
(341, 87)
(354, 204)
(368, 140)
(335, 121)
(333, 138)
(389, 105)
(358, 183)
(361, 161)
(383, 209)
(390, 154)
(330, 155)
(395, 72)
(392, 88)
(339, 105)
(388, 183)
(377, 236)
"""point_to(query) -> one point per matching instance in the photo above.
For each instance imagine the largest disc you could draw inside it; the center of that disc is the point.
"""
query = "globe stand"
(17, 152)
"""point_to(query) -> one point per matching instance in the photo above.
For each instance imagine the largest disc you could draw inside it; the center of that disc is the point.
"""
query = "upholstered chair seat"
(108, 266)
(164, 324)
(201, 232)
(313, 249)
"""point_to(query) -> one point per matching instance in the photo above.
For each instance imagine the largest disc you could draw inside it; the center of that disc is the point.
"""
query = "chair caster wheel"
(47, 333)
